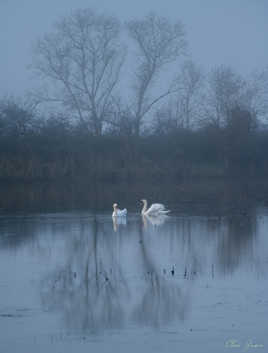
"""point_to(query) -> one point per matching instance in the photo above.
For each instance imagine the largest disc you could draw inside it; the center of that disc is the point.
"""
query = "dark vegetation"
(48, 164)
(33, 148)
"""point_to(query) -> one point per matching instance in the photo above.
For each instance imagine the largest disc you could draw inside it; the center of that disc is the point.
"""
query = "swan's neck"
(115, 211)
(144, 207)
(144, 218)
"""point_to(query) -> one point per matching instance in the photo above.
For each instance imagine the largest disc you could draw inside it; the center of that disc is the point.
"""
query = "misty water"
(79, 282)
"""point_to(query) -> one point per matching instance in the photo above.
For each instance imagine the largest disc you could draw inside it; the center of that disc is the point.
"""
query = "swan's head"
(115, 205)
(143, 201)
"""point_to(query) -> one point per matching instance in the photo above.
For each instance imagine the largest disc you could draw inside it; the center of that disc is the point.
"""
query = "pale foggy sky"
(230, 32)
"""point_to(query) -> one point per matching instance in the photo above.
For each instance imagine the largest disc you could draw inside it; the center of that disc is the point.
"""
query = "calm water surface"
(77, 282)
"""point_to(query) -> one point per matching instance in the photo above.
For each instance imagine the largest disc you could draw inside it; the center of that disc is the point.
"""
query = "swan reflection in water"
(147, 220)
(117, 221)
(154, 220)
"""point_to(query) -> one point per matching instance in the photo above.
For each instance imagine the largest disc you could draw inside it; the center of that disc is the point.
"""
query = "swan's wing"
(164, 212)
(122, 212)
(156, 208)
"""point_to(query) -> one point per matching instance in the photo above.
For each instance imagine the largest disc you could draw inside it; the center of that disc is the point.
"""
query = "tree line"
(33, 148)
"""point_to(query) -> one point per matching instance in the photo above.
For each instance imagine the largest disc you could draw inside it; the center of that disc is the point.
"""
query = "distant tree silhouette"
(159, 42)
(82, 58)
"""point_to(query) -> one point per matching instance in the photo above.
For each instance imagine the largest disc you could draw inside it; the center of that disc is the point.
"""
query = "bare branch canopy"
(83, 57)
(159, 42)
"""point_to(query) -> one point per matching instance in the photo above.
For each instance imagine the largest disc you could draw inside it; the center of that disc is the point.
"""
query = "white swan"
(156, 209)
(117, 212)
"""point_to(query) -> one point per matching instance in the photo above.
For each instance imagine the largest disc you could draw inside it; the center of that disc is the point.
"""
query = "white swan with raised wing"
(156, 209)
(117, 212)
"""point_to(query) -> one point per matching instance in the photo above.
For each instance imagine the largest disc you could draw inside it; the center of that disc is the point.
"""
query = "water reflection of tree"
(16, 232)
(95, 291)
(236, 241)
(141, 273)
(163, 300)
(88, 293)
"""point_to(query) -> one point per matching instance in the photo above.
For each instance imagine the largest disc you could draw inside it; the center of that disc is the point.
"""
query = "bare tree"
(159, 43)
(259, 85)
(189, 83)
(121, 122)
(82, 59)
(167, 118)
(226, 90)
(17, 117)
(182, 109)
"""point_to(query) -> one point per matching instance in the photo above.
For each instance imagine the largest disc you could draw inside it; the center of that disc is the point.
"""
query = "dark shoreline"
(206, 195)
